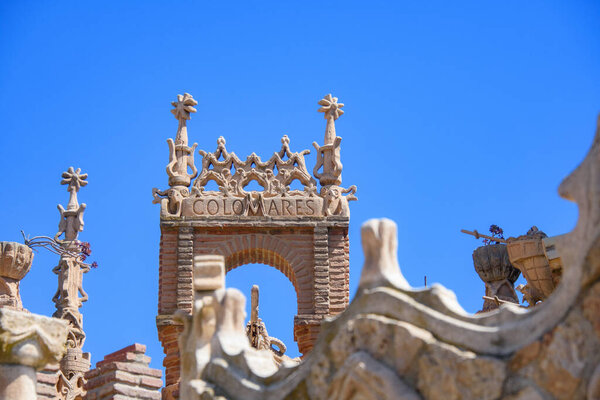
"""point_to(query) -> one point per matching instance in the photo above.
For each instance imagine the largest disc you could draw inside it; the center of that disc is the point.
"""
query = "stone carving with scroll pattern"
(274, 183)
(181, 158)
(396, 342)
(275, 176)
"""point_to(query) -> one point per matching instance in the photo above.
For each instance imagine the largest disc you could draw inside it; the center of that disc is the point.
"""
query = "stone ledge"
(342, 222)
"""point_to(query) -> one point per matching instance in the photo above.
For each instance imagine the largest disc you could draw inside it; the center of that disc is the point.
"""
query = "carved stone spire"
(67, 298)
(328, 155)
(180, 155)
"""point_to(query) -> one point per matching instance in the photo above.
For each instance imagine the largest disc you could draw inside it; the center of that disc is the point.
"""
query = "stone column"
(28, 342)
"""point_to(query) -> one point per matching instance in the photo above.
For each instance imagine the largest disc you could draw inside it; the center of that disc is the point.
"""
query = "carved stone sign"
(251, 206)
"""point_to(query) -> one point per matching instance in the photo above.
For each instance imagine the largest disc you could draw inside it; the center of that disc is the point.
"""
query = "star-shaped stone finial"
(74, 178)
(183, 106)
(331, 107)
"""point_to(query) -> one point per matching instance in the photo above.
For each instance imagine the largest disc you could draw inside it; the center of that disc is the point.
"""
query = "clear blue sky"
(458, 115)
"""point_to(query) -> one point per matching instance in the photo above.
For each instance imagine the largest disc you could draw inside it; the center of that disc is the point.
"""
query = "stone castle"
(391, 342)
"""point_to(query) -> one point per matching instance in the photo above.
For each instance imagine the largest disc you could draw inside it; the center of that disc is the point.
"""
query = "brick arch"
(285, 253)
(262, 256)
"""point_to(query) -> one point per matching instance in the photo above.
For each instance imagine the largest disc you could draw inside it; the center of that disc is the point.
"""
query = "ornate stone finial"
(181, 157)
(183, 108)
(71, 222)
(328, 155)
(332, 110)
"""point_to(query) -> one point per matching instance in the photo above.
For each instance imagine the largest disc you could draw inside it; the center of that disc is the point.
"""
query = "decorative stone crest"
(232, 175)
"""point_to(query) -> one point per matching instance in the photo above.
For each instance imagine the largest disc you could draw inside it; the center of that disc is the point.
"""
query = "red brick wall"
(124, 374)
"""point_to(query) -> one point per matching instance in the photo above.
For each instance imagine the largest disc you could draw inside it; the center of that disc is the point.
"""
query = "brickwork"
(124, 375)
(168, 334)
(313, 256)
(167, 284)
(47, 380)
(339, 268)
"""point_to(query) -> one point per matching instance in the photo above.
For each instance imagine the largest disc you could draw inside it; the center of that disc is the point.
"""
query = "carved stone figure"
(71, 222)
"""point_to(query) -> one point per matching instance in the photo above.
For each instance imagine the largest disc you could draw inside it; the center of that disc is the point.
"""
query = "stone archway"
(302, 233)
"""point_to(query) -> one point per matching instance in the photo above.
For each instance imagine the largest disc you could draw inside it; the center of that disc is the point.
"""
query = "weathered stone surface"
(591, 307)
(528, 393)
(363, 377)
(17, 382)
(446, 372)
(31, 340)
(27, 342)
(210, 274)
(563, 357)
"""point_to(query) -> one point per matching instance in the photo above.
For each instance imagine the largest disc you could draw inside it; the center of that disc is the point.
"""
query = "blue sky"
(458, 115)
